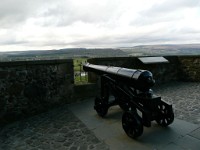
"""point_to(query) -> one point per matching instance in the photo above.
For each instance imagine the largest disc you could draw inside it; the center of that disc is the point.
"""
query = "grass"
(82, 80)
(78, 67)
(78, 62)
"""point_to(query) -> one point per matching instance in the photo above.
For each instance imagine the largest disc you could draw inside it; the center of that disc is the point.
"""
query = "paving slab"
(109, 129)
(196, 133)
(188, 142)
(58, 129)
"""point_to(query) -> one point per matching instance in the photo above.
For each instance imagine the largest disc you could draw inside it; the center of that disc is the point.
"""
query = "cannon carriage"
(131, 90)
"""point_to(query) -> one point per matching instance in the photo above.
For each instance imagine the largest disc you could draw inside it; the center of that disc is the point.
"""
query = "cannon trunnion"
(131, 90)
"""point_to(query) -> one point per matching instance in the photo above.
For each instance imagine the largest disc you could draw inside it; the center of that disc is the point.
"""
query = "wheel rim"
(166, 116)
(132, 125)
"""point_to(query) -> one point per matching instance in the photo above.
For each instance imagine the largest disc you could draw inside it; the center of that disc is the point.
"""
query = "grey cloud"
(52, 43)
(167, 11)
(122, 40)
(145, 20)
(64, 14)
(12, 41)
(11, 37)
(15, 12)
(56, 13)
(186, 30)
(128, 40)
(171, 5)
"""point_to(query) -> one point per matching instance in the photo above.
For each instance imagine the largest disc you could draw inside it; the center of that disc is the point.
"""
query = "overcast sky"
(54, 24)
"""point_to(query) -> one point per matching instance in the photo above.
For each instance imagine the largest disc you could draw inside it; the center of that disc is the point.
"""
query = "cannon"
(131, 90)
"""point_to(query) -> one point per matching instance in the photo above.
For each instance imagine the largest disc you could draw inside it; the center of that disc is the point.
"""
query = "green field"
(78, 62)
(78, 67)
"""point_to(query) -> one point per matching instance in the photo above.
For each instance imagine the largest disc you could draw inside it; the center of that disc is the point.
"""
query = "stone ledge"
(34, 62)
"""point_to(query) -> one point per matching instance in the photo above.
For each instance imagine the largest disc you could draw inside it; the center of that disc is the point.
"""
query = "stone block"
(16, 89)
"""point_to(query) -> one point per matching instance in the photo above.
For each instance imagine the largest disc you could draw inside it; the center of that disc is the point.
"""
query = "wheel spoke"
(166, 115)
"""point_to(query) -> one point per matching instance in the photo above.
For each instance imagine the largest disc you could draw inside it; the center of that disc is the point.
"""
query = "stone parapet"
(190, 68)
(31, 87)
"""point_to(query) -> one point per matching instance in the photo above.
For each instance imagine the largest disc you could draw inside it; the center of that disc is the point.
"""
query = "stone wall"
(190, 68)
(27, 88)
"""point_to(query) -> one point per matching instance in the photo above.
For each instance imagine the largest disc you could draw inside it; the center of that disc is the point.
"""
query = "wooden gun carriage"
(132, 92)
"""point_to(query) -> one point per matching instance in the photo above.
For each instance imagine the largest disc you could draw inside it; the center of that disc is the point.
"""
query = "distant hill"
(141, 50)
(169, 49)
(61, 54)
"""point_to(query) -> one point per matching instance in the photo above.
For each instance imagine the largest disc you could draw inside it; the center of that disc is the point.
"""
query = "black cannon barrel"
(139, 79)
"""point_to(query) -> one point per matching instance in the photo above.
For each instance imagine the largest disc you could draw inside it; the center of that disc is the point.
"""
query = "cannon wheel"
(101, 107)
(132, 124)
(166, 115)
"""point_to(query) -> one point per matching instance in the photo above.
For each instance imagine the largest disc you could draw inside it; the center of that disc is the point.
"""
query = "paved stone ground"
(58, 129)
(185, 97)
